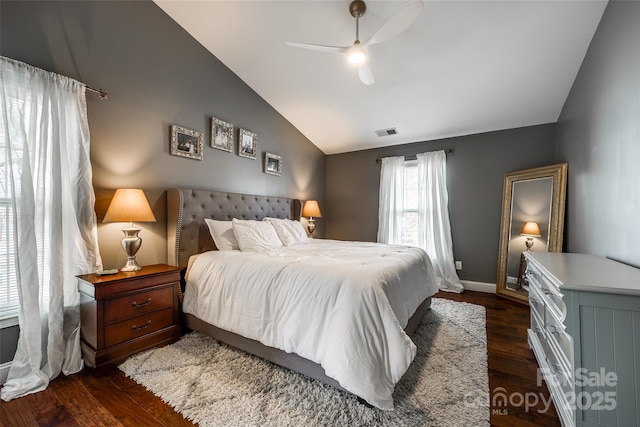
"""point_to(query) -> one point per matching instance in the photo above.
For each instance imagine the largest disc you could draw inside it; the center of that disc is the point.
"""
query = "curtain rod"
(448, 152)
(103, 93)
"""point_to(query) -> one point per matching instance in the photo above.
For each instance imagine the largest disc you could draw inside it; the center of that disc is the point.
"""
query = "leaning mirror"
(532, 220)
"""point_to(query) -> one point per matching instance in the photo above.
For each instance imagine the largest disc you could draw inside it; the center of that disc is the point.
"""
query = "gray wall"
(599, 136)
(8, 343)
(156, 75)
(475, 177)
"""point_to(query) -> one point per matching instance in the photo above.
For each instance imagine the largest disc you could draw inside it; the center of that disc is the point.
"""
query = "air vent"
(387, 132)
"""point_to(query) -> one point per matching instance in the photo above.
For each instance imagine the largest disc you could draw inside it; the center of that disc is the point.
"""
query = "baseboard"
(4, 371)
(489, 288)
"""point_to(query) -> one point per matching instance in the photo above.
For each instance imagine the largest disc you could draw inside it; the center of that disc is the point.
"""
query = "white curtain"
(46, 156)
(434, 229)
(391, 202)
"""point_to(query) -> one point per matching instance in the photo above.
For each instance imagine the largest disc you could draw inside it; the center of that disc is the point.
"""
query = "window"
(410, 216)
(8, 278)
(413, 211)
(9, 302)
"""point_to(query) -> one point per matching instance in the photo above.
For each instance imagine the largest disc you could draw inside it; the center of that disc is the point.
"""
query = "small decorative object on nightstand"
(311, 210)
(127, 312)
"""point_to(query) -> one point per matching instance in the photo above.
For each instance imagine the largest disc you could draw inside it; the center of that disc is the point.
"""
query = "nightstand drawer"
(138, 326)
(133, 305)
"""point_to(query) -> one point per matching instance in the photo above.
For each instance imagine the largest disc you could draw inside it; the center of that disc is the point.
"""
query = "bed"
(326, 341)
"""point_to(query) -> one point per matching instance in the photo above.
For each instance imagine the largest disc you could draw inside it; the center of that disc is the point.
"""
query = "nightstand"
(127, 312)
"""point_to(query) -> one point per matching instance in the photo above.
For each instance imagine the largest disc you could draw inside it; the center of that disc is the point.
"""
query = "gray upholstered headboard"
(188, 234)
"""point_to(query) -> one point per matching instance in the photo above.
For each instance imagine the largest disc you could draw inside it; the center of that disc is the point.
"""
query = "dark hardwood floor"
(513, 370)
(114, 400)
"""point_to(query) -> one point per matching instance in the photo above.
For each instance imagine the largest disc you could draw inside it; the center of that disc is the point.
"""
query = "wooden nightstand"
(124, 313)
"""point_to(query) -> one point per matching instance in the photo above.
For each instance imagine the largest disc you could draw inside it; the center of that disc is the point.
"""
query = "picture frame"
(221, 135)
(186, 142)
(247, 144)
(272, 164)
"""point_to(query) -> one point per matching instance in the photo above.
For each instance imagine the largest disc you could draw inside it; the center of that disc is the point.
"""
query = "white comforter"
(343, 305)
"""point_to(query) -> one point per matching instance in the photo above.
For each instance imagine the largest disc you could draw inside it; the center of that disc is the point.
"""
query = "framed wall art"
(247, 144)
(186, 142)
(221, 135)
(272, 164)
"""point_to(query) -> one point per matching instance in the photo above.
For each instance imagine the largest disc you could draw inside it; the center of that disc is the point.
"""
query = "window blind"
(8, 278)
(410, 216)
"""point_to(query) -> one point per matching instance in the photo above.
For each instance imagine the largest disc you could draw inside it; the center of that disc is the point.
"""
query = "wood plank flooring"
(114, 400)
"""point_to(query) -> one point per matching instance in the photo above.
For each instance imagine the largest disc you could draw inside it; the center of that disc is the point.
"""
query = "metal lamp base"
(311, 226)
(131, 265)
(131, 243)
(529, 243)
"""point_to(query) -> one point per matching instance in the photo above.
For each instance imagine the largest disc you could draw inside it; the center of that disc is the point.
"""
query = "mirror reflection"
(532, 220)
(530, 216)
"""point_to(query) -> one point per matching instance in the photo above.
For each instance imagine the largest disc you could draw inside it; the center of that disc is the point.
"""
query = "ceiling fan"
(357, 53)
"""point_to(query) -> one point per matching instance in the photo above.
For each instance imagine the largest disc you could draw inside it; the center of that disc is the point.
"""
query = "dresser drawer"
(138, 326)
(558, 337)
(133, 305)
(537, 328)
(560, 370)
(550, 293)
(536, 301)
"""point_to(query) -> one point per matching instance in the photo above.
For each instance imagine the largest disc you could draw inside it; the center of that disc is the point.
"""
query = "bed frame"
(188, 234)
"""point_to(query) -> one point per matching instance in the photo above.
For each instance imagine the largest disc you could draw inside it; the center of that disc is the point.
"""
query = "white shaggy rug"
(212, 384)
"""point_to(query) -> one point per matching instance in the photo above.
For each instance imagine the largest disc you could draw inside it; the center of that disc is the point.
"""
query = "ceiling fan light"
(357, 56)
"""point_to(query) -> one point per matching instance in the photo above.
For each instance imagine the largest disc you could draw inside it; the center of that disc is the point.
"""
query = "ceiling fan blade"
(365, 74)
(322, 48)
(397, 24)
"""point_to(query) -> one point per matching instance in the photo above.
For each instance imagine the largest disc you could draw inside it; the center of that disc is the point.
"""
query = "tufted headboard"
(188, 234)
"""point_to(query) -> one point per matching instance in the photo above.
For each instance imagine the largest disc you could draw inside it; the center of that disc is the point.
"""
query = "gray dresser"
(585, 333)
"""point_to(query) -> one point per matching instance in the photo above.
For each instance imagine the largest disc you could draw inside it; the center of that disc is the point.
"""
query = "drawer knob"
(135, 303)
(140, 328)
(555, 367)
(546, 291)
(552, 329)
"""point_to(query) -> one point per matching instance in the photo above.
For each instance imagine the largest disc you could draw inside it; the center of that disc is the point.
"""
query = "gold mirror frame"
(558, 174)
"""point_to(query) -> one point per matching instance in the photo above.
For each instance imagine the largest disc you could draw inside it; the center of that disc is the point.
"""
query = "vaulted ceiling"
(462, 67)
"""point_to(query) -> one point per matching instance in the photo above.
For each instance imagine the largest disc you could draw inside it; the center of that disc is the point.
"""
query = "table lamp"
(130, 205)
(531, 230)
(311, 210)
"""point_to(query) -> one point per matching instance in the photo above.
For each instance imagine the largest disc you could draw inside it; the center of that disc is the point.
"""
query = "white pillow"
(222, 234)
(290, 232)
(255, 236)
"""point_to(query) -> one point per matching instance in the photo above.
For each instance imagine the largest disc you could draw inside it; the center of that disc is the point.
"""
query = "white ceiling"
(463, 67)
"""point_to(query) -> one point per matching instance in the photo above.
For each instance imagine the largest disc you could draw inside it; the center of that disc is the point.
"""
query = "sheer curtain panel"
(391, 203)
(46, 173)
(434, 229)
(396, 215)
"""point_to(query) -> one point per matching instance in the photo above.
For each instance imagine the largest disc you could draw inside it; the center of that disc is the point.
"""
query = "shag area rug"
(212, 384)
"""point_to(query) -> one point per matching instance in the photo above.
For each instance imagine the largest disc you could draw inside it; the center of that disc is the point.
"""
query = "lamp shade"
(311, 209)
(129, 205)
(531, 229)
